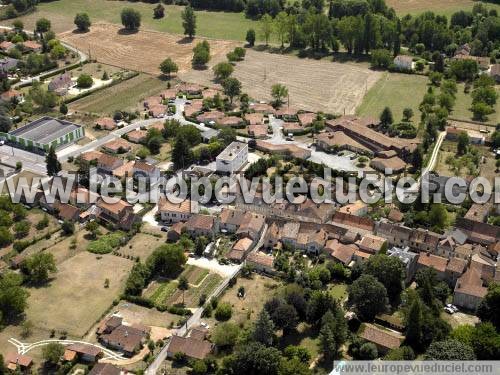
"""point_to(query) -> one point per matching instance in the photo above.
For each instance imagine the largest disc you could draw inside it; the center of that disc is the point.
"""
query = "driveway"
(213, 265)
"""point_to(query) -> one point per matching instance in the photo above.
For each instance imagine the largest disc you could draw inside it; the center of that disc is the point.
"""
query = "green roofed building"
(46, 132)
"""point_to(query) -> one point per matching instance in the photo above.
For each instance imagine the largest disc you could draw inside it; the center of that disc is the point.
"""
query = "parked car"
(449, 310)
(452, 307)
(164, 229)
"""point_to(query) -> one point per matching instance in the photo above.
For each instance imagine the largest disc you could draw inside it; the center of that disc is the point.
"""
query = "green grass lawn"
(122, 96)
(220, 25)
(163, 292)
(396, 91)
(339, 291)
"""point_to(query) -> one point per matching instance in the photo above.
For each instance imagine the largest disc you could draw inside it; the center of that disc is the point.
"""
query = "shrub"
(223, 311)
(84, 81)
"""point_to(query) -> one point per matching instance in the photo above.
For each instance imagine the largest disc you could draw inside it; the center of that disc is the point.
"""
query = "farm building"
(46, 132)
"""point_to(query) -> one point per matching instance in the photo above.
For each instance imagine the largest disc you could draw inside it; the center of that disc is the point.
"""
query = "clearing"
(316, 85)
(396, 91)
(125, 95)
(108, 44)
(76, 299)
(141, 245)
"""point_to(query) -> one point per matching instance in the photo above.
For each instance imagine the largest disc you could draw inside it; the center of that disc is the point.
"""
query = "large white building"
(233, 158)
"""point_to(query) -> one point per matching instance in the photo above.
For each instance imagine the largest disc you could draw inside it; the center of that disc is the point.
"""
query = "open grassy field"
(258, 290)
(464, 101)
(106, 43)
(193, 294)
(448, 149)
(141, 245)
(220, 25)
(76, 298)
(123, 96)
(314, 85)
(396, 91)
(445, 7)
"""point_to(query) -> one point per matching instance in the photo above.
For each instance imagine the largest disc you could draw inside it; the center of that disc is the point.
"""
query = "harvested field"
(313, 85)
(76, 298)
(142, 51)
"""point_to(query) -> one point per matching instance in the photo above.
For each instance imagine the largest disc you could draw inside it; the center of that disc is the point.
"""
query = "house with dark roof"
(105, 369)
(383, 338)
(191, 346)
(202, 225)
(470, 289)
(82, 352)
(61, 84)
(127, 339)
(340, 252)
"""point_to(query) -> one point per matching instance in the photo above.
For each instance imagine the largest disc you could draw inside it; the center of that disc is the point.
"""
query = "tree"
(381, 58)
(232, 88)
(181, 153)
(53, 165)
(463, 143)
(52, 352)
(201, 55)
(68, 227)
(481, 111)
(386, 118)
(438, 216)
(283, 315)
(389, 271)
(82, 22)
(5, 124)
(485, 341)
(403, 353)
(131, 19)
(256, 358)
(279, 92)
(18, 25)
(222, 71)
(368, 296)
(93, 228)
(42, 25)
(189, 21)
(63, 108)
(414, 326)
(159, 11)
(223, 311)
(250, 37)
(226, 335)
(263, 330)
(281, 26)
(38, 266)
(449, 350)
(368, 351)
(183, 285)
(167, 260)
(332, 334)
(266, 27)
(168, 66)
(407, 114)
(13, 298)
(490, 306)
(85, 81)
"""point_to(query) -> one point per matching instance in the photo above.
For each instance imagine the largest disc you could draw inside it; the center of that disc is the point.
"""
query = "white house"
(233, 158)
(404, 62)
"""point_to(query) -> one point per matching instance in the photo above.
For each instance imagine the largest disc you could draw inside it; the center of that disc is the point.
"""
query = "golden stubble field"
(316, 85)
(142, 51)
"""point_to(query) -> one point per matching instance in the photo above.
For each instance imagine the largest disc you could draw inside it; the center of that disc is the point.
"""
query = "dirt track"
(142, 51)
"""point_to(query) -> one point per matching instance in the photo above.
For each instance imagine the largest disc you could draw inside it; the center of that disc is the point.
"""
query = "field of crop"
(193, 294)
(446, 7)
(317, 85)
(76, 298)
(396, 91)
(126, 95)
(142, 51)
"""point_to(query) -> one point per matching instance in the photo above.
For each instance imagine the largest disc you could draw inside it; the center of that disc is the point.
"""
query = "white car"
(453, 307)
(449, 310)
